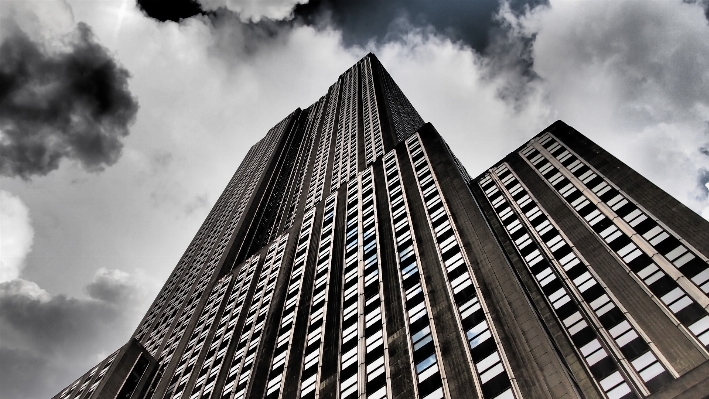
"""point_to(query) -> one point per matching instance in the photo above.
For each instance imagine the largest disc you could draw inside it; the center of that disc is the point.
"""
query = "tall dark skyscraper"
(352, 256)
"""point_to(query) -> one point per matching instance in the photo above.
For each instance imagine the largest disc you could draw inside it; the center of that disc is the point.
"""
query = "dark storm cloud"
(45, 337)
(361, 21)
(59, 337)
(51, 323)
(232, 35)
(18, 370)
(170, 10)
(471, 22)
(509, 59)
(72, 104)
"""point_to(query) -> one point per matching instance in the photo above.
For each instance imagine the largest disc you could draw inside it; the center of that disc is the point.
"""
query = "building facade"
(352, 256)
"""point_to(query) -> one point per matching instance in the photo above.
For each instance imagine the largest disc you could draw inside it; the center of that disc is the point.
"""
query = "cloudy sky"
(120, 124)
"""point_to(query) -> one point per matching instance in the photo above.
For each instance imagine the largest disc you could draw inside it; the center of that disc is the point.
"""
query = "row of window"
(166, 293)
(270, 214)
(190, 354)
(175, 277)
(374, 356)
(373, 146)
(315, 112)
(284, 337)
(317, 182)
(597, 326)
(492, 373)
(344, 166)
(229, 208)
(274, 202)
(668, 291)
(244, 190)
(177, 284)
(363, 357)
(406, 119)
(669, 245)
(315, 120)
(178, 331)
(214, 359)
(191, 306)
(349, 360)
(241, 365)
(314, 343)
(76, 391)
(423, 347)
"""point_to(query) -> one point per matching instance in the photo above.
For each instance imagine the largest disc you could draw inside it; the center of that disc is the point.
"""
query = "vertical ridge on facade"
(352, 256)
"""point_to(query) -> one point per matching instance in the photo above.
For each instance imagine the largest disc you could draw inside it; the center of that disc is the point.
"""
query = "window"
(461, 282)
(584, 286)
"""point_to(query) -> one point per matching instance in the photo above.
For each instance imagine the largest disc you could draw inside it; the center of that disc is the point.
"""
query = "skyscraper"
(352, 256)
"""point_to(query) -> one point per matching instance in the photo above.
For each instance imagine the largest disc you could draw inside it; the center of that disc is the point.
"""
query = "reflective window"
(571, 286)
(238, 377)
(493, 381)
(658, 264)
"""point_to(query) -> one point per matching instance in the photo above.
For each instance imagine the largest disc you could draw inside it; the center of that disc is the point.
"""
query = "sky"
(121, 122)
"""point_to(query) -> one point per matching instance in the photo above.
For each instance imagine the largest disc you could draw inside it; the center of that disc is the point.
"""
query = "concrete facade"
(352, 256)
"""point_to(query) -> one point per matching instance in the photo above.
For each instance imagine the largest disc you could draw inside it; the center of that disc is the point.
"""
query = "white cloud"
(449, 86)
(23, 288)
(631, 75)
(209, 90)
(43, 20)
(113, 286)
(16, 235)
(255, 10)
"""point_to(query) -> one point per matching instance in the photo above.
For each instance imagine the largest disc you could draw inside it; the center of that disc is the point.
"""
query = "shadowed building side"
(352, 256)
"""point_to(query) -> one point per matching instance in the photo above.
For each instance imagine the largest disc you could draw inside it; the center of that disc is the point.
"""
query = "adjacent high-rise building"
(352, 256)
